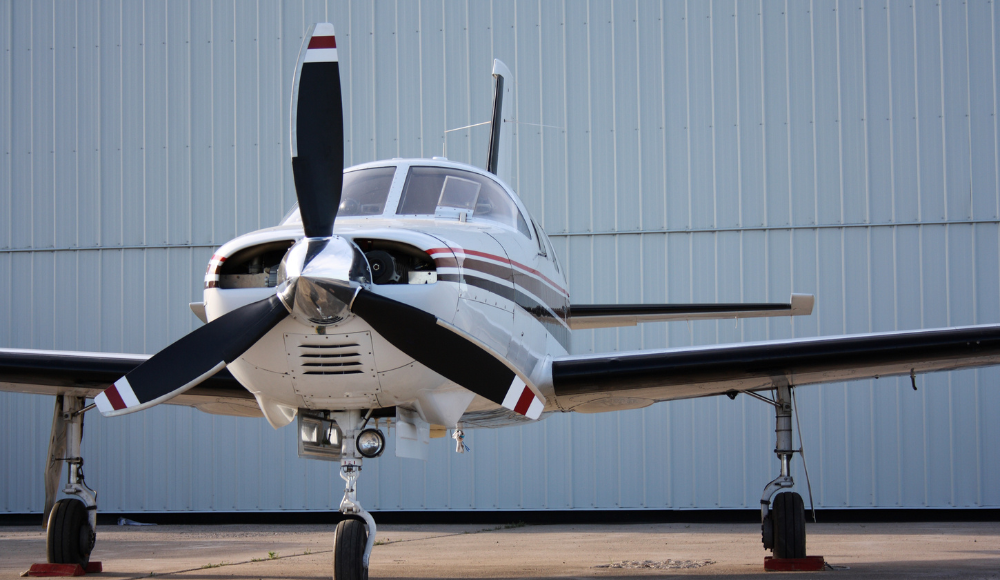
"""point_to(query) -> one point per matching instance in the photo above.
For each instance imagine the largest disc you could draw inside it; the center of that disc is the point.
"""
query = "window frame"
(405, 173)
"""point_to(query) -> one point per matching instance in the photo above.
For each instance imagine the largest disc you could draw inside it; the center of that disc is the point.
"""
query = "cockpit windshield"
(445, 192)
(364, 194)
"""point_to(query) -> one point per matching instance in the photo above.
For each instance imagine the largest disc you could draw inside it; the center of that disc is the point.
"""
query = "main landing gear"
(71, 523)
(355, 535)
(783, 526)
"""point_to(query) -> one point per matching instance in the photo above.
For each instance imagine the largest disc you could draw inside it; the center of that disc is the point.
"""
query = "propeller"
(318, 166)
(192, 359)
(323, 278)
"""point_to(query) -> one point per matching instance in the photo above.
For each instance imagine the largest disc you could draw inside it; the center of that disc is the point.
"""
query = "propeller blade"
(317, 126)
(447, 351)
(192, 359)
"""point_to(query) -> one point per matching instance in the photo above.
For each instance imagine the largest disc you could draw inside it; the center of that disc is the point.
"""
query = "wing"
(682, 373)
(582, 316)
(86, 374)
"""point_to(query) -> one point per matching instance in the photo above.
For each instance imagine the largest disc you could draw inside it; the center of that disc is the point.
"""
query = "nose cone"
(318, 278)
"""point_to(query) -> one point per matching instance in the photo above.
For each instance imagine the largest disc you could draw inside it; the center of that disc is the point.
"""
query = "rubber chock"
(807, 564)
(50, 570)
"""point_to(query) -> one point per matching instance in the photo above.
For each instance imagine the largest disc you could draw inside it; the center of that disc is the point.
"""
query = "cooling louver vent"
(330, 370)
(331, 359)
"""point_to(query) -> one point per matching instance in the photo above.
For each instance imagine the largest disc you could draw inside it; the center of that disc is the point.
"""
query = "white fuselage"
(498, 282)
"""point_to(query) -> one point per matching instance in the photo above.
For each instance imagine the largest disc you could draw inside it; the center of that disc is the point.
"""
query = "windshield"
(442, 191)
(364, 194)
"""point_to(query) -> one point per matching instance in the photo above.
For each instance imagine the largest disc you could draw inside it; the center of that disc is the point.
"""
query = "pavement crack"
(226, 564)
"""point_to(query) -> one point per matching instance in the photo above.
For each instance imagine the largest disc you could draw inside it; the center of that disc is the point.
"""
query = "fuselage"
(448, 238)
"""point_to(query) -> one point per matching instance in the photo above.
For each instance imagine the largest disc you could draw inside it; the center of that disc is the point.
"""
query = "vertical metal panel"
(857, 127)
(6, 128)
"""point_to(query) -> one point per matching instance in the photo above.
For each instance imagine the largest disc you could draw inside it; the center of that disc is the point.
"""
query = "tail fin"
(501, 126)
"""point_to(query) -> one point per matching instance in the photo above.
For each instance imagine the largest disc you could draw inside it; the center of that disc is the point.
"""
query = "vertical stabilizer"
(501, 125)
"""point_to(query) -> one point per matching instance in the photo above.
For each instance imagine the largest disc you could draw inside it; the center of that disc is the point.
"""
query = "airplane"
(422, 294)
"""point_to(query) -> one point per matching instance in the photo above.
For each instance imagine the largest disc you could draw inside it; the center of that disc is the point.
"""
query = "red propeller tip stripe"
(323, 42)
(524, 402)
(114, 398)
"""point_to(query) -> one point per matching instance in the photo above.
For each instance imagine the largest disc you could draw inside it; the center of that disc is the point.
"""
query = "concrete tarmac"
(910, 550)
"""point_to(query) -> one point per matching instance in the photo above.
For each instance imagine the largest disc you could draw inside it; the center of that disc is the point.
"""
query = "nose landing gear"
(355, 536)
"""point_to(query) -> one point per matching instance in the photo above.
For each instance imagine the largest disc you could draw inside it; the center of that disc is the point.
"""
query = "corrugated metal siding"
(700, 151)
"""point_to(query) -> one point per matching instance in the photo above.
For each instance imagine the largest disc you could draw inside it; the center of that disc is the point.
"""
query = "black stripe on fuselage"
(553, 325)
(555, 301)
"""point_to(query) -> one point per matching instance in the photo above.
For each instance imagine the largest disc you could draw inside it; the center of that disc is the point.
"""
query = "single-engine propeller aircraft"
(421, 292)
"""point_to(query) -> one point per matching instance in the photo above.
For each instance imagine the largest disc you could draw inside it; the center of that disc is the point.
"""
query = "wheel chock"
(49, 570)
(807, 564)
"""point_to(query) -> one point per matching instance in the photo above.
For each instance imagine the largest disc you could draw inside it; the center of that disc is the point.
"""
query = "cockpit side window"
(439, 190)
(365, 191)
(364, 194)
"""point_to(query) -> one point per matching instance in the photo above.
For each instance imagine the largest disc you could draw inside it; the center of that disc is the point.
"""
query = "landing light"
(370, 443)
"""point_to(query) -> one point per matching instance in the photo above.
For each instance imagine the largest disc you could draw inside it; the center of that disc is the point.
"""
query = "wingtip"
(802, 304)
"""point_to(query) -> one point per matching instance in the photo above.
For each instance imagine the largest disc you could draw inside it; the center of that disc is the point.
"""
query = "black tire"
(789, 517)
(348, 550)
(767, 532)
(69, 538)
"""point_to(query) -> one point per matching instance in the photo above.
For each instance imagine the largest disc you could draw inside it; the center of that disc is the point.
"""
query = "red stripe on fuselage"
(524, 402)
(498, 259)
(323, 42)
(115, 399)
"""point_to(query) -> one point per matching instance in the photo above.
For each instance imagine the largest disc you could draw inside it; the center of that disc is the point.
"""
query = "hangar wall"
(700, 151)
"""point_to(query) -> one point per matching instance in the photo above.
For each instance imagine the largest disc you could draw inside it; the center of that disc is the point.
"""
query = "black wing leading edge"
(86, 374)
(682, 373)
(582, 316)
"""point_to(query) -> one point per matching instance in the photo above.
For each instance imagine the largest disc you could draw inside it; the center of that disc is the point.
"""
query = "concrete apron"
(926, 550)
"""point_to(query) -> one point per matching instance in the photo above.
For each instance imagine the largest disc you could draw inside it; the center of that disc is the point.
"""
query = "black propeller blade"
(443, 349)
(192, 359)
(318, 131)
(318, 164)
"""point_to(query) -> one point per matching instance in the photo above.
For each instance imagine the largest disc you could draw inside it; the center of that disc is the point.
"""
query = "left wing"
(682, 373)
(86, 374)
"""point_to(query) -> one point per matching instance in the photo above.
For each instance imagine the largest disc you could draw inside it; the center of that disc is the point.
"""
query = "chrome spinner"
(319, 277)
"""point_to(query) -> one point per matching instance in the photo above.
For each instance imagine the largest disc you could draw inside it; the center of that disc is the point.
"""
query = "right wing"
(687, 372)
(87, 374)
(582, 316)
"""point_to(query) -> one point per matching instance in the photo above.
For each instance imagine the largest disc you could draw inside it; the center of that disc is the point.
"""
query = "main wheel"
(69, 538)
(789, 520)
(348, 550)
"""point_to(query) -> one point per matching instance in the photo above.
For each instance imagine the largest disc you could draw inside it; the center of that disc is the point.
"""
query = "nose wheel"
(349, 550)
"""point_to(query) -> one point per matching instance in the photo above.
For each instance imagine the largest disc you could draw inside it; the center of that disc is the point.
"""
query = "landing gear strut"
(783, 524)
(355, 536)
(71, 523)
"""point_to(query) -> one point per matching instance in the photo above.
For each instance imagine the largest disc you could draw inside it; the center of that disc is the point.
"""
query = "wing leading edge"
(87, 374)
(682, 373)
